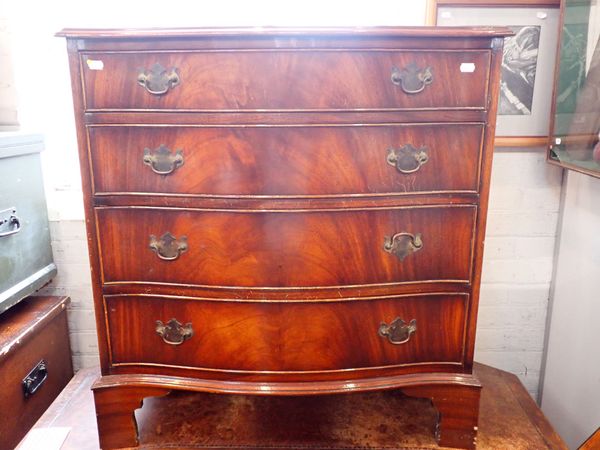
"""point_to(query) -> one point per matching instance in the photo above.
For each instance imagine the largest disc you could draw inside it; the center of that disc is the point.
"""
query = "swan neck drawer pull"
(398, 332)
(173, 332)
(158, 80)
(168, 247)
(407, 159)
(162, 161)
(403, 244)
(412, 79)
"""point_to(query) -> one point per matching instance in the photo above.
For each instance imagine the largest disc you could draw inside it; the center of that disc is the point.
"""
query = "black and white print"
(518, 71)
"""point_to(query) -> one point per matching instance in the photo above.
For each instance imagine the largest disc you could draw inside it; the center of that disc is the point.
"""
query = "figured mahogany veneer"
(286, 160)
(317, 336)
(286, 211)
(292, 248)
(285, 80)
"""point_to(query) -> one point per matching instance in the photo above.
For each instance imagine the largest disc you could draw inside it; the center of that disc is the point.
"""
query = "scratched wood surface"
(31, 331)
(509, 419)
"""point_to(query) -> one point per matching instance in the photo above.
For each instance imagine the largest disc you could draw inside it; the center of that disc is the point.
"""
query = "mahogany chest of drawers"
(286, 211)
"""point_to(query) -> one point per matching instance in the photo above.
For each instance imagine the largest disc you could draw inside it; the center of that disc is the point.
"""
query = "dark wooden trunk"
(31, 332)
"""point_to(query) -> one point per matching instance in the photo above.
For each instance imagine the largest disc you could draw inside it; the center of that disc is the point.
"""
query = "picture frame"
(529, 63)
(573, 144)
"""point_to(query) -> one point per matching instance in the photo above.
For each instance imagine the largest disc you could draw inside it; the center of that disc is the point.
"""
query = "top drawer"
(284, 80)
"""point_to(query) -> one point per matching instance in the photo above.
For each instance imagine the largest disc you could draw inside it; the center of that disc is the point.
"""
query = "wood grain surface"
(509, 419)
(282, 80)
(312, 336)
(295, 248)
(285, 161)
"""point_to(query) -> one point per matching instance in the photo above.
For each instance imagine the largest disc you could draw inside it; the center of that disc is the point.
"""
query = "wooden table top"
(509, 419)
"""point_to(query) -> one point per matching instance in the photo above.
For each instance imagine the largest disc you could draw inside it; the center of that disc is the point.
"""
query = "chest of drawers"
(286, 211)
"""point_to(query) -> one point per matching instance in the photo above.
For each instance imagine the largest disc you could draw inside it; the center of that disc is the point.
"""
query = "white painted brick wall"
(517, 269)
(69, 247)
(518, 262)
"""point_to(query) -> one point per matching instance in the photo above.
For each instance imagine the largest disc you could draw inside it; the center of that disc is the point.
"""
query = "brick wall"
(69, 246)
(518, 263)
(516, 276)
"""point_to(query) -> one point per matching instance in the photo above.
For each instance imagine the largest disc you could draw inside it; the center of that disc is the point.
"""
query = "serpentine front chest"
(286, 211)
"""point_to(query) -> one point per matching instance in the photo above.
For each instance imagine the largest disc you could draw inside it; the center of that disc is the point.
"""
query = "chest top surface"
(260, 31)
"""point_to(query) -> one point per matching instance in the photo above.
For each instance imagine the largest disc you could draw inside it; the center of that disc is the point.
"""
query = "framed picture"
(528, 63)
(575, 143)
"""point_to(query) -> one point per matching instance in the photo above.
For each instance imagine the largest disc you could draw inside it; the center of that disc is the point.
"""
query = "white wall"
(8, 100)
(518, 263)
(571, 385)
(525, 190)
(571, 391)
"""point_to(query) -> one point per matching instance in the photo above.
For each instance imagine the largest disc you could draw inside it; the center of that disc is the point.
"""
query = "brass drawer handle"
(162, 161)
(398, 332)
(168, 247)
(158, 80)
(403, 244)
(407, 159)
(412, 79)
(174, 333)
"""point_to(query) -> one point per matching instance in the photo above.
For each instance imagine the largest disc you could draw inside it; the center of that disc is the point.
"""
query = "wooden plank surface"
(509, 419)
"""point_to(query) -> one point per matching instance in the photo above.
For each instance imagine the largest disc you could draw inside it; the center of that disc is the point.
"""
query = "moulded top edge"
(418, 31)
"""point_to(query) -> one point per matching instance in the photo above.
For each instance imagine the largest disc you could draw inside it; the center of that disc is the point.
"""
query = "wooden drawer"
(281, 336)
(286, 248)
(284, 80)
(286, 161)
